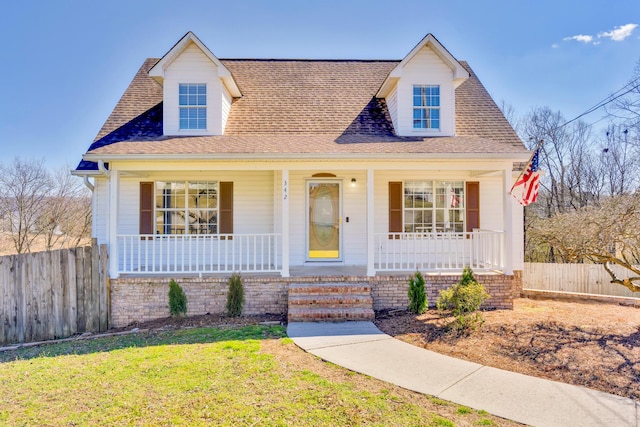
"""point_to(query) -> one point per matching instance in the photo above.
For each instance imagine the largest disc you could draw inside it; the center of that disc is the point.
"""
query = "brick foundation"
(146, 298)
(141, 299)
(391, 292)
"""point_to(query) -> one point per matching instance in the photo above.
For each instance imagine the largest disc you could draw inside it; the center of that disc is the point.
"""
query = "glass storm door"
(324, 221)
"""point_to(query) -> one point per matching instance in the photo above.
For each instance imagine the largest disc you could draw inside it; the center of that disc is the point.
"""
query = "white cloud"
(555, 45)
(581, 38)
(619, 33)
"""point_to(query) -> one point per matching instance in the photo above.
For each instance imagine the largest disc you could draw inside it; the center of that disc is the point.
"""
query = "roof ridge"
(307, 60)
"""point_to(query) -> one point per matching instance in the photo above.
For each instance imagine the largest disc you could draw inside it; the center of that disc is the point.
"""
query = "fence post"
(104, 286)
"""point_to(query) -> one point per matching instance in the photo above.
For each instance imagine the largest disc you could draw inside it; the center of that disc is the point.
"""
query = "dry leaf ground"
(594, 345)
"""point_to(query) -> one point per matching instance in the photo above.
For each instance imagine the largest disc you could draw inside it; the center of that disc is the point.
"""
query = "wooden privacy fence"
(54, 294)
(579, 278)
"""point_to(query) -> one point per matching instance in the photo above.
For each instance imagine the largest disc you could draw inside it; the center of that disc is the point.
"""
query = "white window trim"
(428, 130)
(205, 107)
(434, 209)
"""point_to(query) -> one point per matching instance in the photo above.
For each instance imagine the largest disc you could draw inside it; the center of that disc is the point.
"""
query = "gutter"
(312, 156)
(102, 170)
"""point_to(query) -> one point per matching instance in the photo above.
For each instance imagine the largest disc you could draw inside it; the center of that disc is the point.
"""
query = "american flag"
(525, 190)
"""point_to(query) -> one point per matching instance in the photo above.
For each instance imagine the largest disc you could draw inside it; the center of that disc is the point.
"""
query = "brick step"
(329, 314)
(331, 301)
(327, 302)
(328, 288)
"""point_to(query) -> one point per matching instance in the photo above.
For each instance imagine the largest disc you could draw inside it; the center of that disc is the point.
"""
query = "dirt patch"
(594, 345)
(204, 320)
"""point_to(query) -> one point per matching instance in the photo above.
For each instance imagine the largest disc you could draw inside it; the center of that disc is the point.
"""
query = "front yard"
(593, 345)
(224, 375)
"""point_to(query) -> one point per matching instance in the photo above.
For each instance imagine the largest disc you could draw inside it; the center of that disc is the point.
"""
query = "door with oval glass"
(324, 221)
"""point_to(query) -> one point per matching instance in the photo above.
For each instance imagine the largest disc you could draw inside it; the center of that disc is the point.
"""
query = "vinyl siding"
(192, 66)
(253, 200)
(392, 105)
(491, 212)
(354, 233)
(226, 108)
(425, 68)
(101, 210)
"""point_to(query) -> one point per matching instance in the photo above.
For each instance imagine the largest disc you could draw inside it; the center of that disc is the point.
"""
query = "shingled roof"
(302, 106)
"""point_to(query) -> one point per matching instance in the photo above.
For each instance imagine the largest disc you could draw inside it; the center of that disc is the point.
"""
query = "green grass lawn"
(203, 376)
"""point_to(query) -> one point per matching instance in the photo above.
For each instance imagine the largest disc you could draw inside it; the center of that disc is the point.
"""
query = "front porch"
(482, 250)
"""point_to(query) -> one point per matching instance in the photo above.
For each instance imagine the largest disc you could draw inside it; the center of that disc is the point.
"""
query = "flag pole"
(528, 161)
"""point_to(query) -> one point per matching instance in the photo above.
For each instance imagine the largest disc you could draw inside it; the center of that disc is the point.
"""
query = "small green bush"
(417, 294)
(235, 296)
(177, 299)
(463, 300)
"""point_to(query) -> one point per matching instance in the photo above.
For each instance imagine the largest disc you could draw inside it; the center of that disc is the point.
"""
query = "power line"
(609, 99)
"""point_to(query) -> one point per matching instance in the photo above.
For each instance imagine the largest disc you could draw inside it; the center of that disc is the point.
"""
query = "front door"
(324, 221)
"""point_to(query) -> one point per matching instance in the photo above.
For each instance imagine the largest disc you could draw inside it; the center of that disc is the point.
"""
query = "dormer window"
(426, 107)
(193, 106)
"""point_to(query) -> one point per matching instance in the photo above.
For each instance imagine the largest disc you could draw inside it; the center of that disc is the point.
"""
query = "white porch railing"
(204, 253)
(482, 250)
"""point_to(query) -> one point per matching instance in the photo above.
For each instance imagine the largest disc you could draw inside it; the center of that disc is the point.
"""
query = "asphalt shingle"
(303, 106)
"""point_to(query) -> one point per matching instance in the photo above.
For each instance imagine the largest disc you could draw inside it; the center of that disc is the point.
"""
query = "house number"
(285, 190)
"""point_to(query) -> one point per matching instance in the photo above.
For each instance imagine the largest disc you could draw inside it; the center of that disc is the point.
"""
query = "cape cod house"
(311, 171)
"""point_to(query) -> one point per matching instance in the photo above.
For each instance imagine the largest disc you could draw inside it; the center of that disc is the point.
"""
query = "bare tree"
(620, 157)
(24, 189)
(66, 218)
(607, 235)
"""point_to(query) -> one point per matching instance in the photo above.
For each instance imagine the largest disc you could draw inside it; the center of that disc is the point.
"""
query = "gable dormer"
(420, 90)
(197, 89)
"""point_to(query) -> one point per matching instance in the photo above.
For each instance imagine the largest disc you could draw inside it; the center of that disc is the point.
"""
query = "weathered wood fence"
(579, 278)
(54, 294)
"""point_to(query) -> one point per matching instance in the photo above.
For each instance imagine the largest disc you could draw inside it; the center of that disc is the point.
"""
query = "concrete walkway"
(362, 347)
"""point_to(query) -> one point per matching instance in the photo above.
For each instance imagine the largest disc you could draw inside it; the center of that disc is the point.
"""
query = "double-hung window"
(434, 206)
(187, 207)
(426, 107)
(193, 106)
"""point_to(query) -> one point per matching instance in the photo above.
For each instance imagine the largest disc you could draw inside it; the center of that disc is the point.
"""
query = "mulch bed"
(594, 345)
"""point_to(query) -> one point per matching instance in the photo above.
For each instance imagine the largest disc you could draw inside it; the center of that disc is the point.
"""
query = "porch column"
(508, 220)
(371, 244)
(285, 223)
(114, 179)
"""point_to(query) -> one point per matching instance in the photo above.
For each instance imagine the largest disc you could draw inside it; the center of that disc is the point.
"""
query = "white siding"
(425, 68)
(491, 212)
(518, 235)
(192, 66)
(252, 200)
(226, 108)
(129, 207)
(101, 210)
(354, 232)
(491, 203)
(392, 106)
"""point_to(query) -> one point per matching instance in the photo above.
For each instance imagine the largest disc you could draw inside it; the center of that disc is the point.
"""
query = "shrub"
(417, 294)
(177, 299)
(463, 300)
(235, 296)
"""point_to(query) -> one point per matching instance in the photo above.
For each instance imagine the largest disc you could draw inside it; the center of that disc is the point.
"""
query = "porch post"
(508, 221)
(285, 223)
(370, 226)
(114, 179)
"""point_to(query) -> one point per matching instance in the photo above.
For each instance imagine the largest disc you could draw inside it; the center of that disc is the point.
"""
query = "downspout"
(85, 179)
(102, 169)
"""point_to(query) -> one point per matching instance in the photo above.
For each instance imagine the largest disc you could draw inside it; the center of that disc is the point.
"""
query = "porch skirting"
(139, 299)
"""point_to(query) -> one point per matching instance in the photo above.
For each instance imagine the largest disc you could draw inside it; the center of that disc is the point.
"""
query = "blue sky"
(66, 63)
